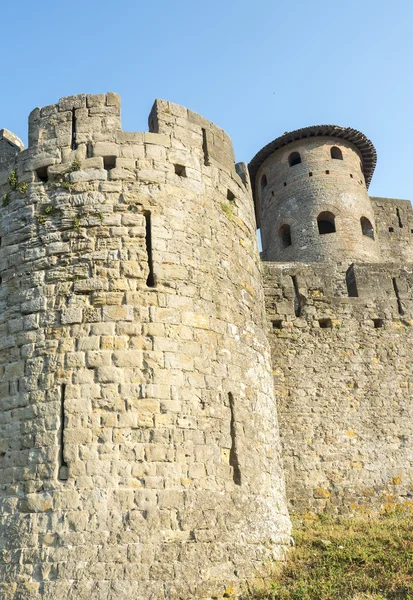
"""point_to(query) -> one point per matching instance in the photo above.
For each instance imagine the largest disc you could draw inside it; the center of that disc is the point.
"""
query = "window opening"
(325, 323)
(285, 235)
(294, 159)
(297, 300)
(63, 473)
(230, 196)
(205, 147)
(109, 162)
(277, 324)
(391, 229)
(42, 174)
(378, 323)
(399, 217)
(367, 227)
(180, 170)
(150, 281)
(351, 284)
(74, 143)
(264, 182)
(326, 223)
(399, 302)
(233, 454)
(336, 153)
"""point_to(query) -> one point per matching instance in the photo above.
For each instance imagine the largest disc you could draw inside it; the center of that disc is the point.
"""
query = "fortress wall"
(139, 450)
(343, 380)
(394, 222)
(296, 195)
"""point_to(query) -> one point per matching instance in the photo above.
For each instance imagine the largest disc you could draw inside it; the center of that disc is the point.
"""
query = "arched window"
(285, 235)
(294, 159)
(263, 182)
(367, 227)
(336, 153)
(326, 223)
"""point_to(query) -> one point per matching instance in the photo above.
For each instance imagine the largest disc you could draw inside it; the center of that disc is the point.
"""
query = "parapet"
(84, 127)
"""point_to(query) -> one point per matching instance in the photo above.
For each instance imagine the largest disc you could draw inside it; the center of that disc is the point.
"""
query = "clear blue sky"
(257, 69)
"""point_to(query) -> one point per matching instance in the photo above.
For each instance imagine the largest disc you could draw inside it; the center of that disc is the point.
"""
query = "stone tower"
(311, 196)
(338, 278)
(139, 450)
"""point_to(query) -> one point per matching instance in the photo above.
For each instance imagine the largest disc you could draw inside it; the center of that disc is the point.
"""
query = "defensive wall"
(139, 446)
(338, 277)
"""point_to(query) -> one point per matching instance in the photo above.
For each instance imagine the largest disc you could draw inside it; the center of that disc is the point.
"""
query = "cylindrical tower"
(139, 451)
(310, 188)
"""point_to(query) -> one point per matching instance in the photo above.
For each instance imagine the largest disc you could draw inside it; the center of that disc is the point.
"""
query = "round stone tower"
(310, 188)
(139, 451)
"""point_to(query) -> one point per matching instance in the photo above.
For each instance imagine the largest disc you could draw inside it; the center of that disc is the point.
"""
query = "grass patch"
(348, 559)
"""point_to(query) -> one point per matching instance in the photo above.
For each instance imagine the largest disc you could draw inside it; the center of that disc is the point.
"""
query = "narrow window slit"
(399, 217)
(233, 454)
(351, 284)
(399, 302)
(150, 281)
(230, 196)
(207, 162)
(297, 301)
(391, 229)
(63, 474)
(89, 150)
(74, 143)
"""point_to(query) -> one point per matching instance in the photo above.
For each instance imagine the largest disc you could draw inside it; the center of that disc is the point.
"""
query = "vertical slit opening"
(351, 284)
(63, 474)
(396, 291)
(233, 454)
(89, 150)
(297, 302)
(399, 217)
(74, 144)
(205, 148)
(150, 282)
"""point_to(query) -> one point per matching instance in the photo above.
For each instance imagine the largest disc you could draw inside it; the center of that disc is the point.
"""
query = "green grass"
(348, 559)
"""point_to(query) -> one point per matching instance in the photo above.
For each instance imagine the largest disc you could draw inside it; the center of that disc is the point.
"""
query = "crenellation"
(137, 396)
(122, 402)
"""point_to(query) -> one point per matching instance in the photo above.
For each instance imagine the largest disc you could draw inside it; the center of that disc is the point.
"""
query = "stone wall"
(343, 380)
(139, 450)
(394, 222)
(295, 196)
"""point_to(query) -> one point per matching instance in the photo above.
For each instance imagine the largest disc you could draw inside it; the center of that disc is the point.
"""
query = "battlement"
(302, 294)
(88, 128)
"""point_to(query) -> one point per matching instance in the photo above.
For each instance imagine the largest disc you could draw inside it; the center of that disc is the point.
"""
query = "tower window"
(285, 235)
(336, 153)
(263, 182)
(367, 227)
(326, 223)
(294, 159)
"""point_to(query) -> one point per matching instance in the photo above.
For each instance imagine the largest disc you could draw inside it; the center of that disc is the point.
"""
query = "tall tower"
(312, 203)
(139, 450)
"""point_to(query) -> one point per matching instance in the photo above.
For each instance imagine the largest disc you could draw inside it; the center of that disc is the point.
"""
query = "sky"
(256, 69)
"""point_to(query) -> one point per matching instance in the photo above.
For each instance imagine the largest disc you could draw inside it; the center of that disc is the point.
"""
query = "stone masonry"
(139, 449)
(140, 457)
(338, 281)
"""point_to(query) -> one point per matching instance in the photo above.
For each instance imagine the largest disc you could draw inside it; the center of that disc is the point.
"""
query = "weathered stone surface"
(139, 451)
